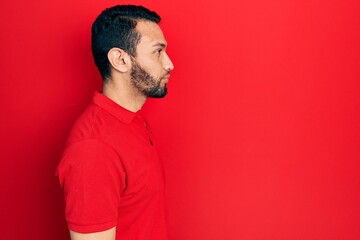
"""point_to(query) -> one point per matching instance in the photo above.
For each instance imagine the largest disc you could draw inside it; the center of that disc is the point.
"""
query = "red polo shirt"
(111, 174)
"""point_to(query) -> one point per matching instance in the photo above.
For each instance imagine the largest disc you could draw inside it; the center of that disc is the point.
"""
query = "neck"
(124, 94)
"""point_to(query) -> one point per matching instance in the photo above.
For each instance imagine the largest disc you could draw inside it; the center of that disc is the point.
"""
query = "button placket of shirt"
(147, 131)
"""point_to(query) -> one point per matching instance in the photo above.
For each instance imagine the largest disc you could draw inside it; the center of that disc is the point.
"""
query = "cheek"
(154, 67)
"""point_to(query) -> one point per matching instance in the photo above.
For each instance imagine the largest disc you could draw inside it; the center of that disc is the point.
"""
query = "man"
(110, 171)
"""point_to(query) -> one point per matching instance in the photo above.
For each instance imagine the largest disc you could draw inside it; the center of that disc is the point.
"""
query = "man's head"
(131, 33)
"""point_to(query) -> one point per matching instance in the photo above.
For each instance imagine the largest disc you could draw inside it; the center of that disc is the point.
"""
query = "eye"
(158, 52)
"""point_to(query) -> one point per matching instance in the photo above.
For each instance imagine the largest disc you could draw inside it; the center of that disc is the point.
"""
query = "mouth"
(167, 76)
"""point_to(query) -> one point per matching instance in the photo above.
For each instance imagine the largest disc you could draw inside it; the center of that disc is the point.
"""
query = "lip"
(166, 76)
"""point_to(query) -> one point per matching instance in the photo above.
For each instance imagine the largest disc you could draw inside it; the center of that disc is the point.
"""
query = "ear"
(119, 59)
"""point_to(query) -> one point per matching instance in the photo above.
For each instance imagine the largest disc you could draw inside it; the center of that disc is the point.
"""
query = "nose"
(168, 65)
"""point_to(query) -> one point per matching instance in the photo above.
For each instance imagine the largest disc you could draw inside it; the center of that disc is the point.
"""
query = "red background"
(259, 132)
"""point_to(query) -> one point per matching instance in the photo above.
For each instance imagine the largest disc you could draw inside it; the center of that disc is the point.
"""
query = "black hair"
(115, 27)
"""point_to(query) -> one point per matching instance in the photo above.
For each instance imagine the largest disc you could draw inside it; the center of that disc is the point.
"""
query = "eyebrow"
(160, 45)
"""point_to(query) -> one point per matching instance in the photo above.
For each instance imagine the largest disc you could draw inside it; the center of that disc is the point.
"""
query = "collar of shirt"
(115, 109)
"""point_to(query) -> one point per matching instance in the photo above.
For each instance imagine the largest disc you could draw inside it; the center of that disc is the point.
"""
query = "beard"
(145, 83)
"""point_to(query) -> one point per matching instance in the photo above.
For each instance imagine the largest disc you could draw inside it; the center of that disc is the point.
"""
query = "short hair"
(115, 27)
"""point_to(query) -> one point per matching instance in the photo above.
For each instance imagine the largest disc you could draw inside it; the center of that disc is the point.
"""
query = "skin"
(104, 235)
(153, 59)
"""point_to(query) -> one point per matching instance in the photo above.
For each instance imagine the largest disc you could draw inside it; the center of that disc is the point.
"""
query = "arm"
(92, 178)
(104, 235)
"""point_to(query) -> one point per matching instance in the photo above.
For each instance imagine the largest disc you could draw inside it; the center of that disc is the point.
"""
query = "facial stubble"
(145, 83)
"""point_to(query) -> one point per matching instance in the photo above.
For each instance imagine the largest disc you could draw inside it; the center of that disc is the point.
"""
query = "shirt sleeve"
(92, 178)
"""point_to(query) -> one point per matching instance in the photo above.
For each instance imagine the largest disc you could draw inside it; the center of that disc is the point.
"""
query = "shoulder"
(88, 151)
(84, 125)
(90, 158)
(93, 123)
(89, 155)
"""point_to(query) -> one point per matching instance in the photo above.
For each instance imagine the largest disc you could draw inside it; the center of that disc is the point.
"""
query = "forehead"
(150, 33)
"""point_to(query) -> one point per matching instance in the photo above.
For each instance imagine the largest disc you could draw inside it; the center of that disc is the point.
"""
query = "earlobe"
(118, 59)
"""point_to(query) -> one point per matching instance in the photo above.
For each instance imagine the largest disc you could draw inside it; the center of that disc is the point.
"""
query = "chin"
(158, 93)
